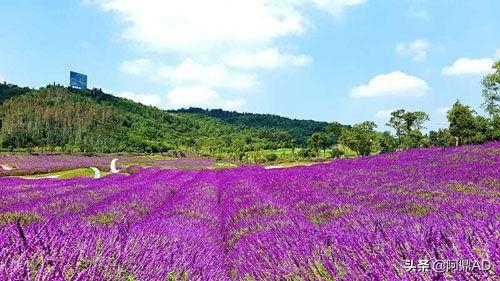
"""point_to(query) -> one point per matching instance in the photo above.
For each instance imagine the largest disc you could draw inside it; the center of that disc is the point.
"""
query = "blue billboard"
(77, 80)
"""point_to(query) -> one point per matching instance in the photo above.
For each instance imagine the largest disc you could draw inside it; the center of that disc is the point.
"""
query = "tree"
(441, 138)
(387, 142)
(335, 129)
(465, 127)
(413, 138)
(408, 126)
(491, 91)
(319, 141)
(397, 122)
(361, 138)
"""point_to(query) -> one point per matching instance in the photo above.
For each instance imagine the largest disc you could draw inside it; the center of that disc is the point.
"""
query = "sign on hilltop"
(77, 80)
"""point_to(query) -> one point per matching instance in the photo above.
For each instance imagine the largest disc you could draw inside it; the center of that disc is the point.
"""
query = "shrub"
(271, 157)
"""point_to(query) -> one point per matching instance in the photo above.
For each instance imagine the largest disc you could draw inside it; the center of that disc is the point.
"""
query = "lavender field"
(352, 219)
(25, 164)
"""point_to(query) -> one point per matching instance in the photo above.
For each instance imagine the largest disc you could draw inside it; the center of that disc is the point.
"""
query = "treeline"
(8, 91)
(56, 118)
(299, 130)
(465, 127)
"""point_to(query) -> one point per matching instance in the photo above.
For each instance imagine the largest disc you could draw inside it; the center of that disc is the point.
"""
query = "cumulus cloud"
(200, 96)
(416, 49)
(394, 84)
(335, 7)
(211, 75)
(137, 66)
(222, 43)
(269, 58)
(194, 25)
(154, 100)
(467, 66)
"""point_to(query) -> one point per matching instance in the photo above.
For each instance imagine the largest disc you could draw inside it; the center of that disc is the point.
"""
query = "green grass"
(295, 163)
(77, 173)
(224, 165)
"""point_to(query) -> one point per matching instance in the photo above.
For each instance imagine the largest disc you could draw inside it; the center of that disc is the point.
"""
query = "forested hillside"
(8, 91)
(299, 130)
(59, 118)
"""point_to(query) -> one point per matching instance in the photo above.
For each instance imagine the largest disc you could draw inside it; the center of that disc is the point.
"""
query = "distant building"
(77, 80)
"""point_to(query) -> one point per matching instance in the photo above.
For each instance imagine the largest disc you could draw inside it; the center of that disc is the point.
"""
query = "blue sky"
(331, 60)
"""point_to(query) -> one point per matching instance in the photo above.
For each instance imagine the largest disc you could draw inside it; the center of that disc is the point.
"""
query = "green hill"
(299, 130)
(67, 119)
(8, 91)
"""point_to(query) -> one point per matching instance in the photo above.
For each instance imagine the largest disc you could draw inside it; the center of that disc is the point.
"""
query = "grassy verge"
(77, 173)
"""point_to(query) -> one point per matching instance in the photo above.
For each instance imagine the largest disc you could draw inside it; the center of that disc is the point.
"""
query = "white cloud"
(336, 6)
(497, 53)
(384, 114)
(199, 96)
(416, 49)
(222, 43)
(190, 72)
(269, 58)
(136, 67)
(194, 25)
(467, 66)
(391, 85)
(145, 99)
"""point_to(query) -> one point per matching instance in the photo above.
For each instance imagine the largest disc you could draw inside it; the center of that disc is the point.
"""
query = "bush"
(271, 157)
(307, 153)
(336, 152)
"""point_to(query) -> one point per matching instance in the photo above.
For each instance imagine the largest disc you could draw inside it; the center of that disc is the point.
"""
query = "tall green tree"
(408, 126)
(441, 138)
(466, 127)
(491, 91)
(387, 142)
(361, 138)
(319, 141)
(397, 122)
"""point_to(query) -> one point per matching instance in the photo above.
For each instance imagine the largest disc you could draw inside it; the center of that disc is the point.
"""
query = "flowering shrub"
(351, 219)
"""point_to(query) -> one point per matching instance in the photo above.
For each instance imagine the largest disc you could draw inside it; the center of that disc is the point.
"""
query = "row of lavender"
(25, 164)
(350, 219)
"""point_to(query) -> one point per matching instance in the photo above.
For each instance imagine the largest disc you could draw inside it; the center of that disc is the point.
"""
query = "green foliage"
(361, 138)
(466, 127)
(8, 91)
(441, 138)
(491, 91)
(336, 152)
(408, 126)
(387, 142)
(24, 218)
(57, 118)
(271, 157)
(319, 141)
(307, 153)
(298, 130)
